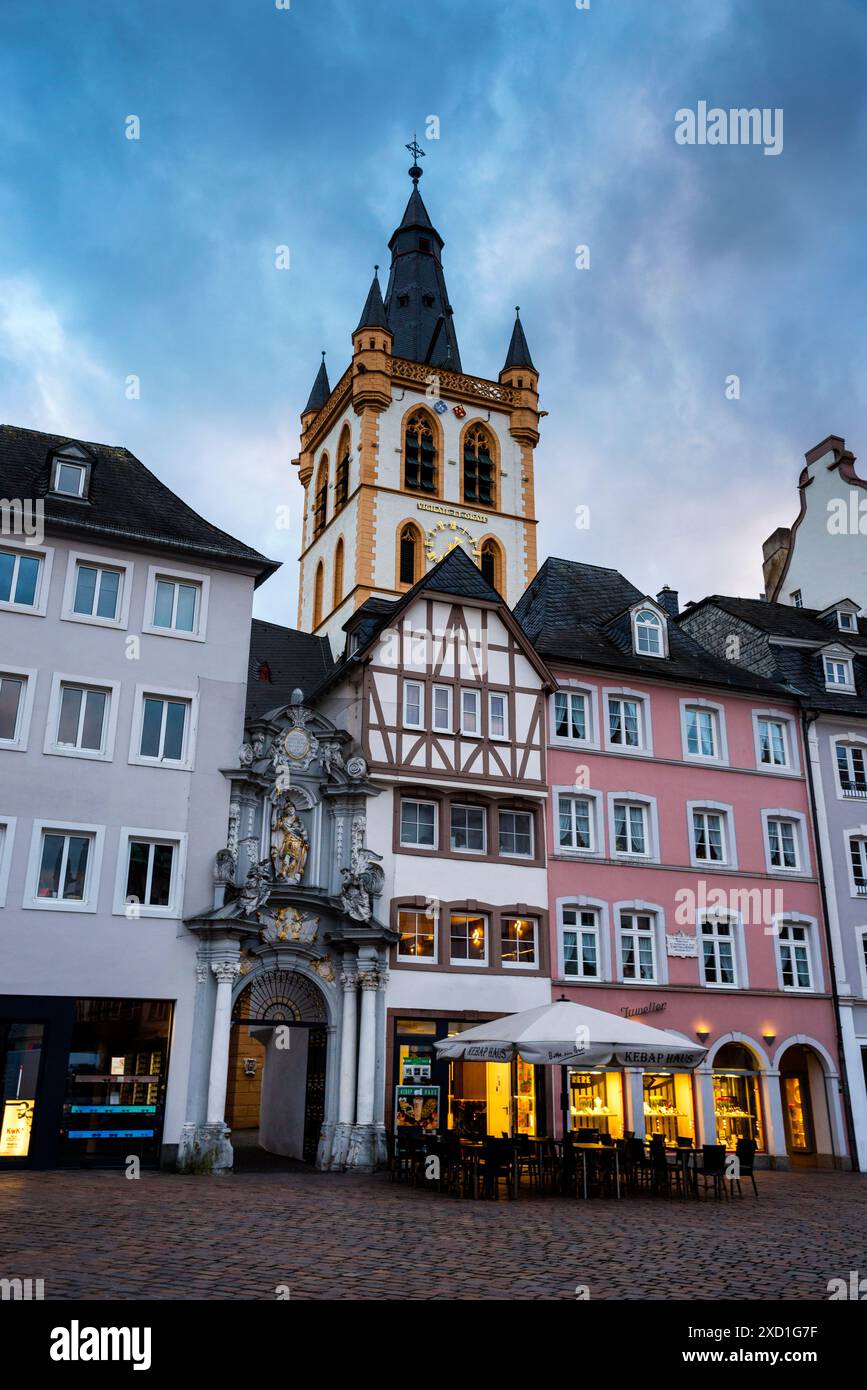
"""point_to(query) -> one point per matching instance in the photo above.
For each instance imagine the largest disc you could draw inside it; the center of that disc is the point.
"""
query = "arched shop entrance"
(805, 1106)
(275, 1098)
(737, 1096)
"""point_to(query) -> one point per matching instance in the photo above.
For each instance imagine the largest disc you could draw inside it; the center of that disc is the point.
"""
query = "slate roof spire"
(321, 389)
(416, 301)
(519, 353)
(373, 314)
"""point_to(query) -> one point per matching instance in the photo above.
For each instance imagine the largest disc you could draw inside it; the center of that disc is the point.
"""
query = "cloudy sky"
(263, 127)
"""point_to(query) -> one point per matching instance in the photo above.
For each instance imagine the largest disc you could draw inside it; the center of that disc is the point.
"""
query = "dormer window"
(69, 475)
(648, 633)
(797, 600)
(846, 621)
(838, 673)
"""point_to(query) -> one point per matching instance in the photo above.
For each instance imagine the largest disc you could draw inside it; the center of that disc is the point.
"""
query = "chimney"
(775, 553)
(667, 599)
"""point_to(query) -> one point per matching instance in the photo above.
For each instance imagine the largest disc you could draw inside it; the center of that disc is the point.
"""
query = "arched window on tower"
(317, 595)
(338, 573)
(409, 553)
(419, 454)
(479, 471)
(341, 477)
(320, 497)
(491, 565)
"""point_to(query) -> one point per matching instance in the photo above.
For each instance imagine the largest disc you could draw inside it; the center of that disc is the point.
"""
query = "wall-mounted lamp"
(702, 1034)
(770, 1038)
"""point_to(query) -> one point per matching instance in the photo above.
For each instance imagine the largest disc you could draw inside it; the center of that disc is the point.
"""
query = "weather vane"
(417, 153)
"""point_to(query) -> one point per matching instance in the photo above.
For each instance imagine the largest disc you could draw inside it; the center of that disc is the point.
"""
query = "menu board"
(417, 1107)
(15, 1131)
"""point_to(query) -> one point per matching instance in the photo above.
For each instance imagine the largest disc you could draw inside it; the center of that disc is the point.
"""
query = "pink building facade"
(682, 880)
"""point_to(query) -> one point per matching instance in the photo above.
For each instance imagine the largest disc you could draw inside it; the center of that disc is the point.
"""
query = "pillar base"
(205, 1150)
(361, 1154)
(339, 1149)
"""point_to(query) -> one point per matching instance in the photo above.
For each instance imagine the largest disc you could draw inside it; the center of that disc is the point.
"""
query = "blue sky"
(262, 127)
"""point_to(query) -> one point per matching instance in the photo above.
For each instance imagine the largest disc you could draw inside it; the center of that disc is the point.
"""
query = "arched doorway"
(737, 1096)
(275, 1099)
(805, 1109)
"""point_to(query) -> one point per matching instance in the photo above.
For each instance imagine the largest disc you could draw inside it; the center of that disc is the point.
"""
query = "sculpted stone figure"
(289, 845)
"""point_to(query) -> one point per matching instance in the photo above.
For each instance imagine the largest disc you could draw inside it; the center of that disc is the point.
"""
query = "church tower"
(406, 456)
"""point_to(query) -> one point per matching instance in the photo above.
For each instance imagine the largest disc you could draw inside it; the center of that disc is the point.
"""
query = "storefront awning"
(565, 1033)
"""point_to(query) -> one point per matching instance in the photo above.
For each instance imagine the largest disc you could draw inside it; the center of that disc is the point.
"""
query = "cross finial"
(417, 153)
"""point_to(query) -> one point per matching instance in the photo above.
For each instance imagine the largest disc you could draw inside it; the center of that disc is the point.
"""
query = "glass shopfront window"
(20, 1056)
(668, 1105)
(736, 1096)
(116, 1079)
(596, 1101)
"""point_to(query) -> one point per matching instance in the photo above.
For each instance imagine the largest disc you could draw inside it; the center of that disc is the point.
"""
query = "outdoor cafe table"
(596, 1148)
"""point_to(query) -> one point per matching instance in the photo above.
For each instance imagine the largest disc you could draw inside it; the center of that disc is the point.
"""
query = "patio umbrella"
(562, 1033)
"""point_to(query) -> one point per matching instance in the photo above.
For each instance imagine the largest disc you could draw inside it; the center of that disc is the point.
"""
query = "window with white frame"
(718, 954)
(150, 874)
(468, 937)
(624, 722)
(631, 828)
(581, 944)
(702, 727)
(176, 604)
(516, 833)
(165, 730)
(20, 576)
(773, 742)
(858, 861)
(852, 769)
(519, 942)
(797, 598)
(471, 722)
(846, 620)
(498, 715)
(416, 936)
(80, 718)
(795, 956)
(97, 591)
(638, 946)
(576, 822)
(7, 834)
(64, 867)
(838, 673)
(442, 709)
(468, 833)
(418, 823)
(413, 704)
(69, 475)
(571, 716)
(12, 704)
(648, 633)
(784, 843)
(709, 836)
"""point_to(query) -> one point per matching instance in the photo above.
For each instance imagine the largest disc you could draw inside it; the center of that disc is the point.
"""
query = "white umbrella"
(562, 1033)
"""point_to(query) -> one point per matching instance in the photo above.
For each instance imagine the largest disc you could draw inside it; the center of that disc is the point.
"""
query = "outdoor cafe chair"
(498, 1165)
(745, 1152)
(713, 1169)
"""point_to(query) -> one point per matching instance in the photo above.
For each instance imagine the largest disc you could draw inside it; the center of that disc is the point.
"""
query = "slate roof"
(573, 612)
(416, 299)
(125, 501)
(320, 390)
(800, 669)
(373, 314)
(294, 660)
(519, 353)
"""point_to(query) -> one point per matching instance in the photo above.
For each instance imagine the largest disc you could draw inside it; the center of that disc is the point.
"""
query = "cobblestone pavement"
(334, 1236)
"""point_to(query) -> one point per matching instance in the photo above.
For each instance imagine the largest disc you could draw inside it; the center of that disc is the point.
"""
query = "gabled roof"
(568, 612)
(295, 660)
(125, 501)
(454, 577)
(778, 619)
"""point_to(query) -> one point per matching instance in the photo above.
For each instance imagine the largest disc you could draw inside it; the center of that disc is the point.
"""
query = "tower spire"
(321, 389)
(373, 314)
(416, 302)
(519, 353)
